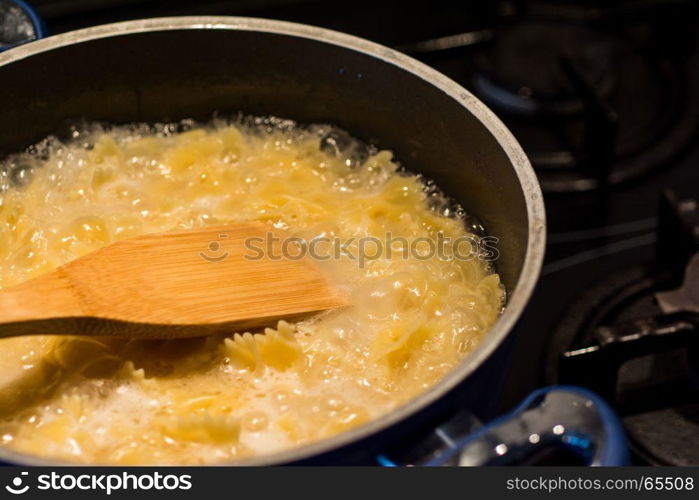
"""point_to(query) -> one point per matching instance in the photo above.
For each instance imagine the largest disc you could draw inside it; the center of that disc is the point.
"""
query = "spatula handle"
(49, 305)
(45, 305)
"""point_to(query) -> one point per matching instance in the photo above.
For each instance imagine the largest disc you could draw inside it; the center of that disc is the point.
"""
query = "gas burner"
(591, 107)
(637, 346)
(506, 79)
(657, 392)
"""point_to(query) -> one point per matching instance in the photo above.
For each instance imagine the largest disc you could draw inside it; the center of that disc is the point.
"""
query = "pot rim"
(529, 274)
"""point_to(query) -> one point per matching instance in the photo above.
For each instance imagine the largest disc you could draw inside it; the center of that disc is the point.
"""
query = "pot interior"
(191, 73)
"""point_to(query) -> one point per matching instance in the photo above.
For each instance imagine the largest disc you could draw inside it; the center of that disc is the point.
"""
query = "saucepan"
(189, 67)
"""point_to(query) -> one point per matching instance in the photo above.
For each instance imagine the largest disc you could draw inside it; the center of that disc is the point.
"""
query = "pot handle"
(567, 420)
(19, 24)
(564, 418)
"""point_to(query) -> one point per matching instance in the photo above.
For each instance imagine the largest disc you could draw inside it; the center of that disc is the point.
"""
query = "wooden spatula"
(167, 285)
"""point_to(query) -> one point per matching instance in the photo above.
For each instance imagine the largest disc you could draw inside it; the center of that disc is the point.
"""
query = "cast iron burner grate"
(616, 340)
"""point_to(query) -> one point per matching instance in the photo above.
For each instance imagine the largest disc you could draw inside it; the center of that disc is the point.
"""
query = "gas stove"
(604, 102)
(604, 98)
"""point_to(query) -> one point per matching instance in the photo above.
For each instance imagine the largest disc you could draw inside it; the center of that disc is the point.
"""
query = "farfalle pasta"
(236, 394)
(276, 349)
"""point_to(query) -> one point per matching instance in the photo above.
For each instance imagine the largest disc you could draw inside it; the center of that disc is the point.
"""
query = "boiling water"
(231, 396)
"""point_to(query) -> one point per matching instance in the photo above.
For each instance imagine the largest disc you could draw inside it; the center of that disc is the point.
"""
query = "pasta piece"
(129, 372)
(396, 345)
(207, 429)
(277, 349)
(243, 352)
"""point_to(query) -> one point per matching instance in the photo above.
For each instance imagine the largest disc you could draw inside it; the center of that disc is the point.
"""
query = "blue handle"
(567, 417)
(19, 24)
(553, 418)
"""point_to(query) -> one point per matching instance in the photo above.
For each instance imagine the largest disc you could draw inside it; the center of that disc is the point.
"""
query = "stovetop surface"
(577, 136)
